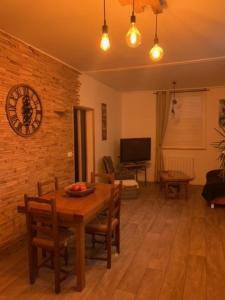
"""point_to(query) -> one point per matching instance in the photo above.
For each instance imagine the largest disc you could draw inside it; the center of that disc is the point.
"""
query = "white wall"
(92, 94)
(138, 120)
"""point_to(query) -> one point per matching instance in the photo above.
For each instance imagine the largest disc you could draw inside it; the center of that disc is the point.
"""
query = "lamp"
(156, 53)
(174, 101)
(133, 36)
(105, 42)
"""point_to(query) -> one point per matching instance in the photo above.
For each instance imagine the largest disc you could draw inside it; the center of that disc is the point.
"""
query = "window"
(186, 126)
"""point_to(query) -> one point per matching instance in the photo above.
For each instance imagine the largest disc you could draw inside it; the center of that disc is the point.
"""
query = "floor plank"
(170, 249)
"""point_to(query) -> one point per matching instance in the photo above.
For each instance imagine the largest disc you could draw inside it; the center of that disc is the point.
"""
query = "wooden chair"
(44, 233)
(108, 225)
(121, 173)
(45, 187)
(48, 186)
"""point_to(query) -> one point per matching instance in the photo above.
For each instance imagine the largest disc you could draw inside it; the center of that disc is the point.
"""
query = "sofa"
(214, 189)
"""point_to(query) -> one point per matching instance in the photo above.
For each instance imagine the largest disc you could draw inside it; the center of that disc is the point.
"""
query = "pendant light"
(133, 36)
(105, 42)
(156, 53)
(174, 100)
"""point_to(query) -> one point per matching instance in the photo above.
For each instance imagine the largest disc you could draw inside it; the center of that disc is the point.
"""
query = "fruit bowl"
(70, 191)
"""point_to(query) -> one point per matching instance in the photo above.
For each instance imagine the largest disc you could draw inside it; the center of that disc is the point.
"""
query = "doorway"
(84, 150)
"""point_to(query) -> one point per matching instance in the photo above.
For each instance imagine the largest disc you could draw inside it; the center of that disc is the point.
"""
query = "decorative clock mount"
(23, 110)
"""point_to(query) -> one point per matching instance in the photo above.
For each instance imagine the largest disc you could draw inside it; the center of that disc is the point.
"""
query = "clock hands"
(27, 111)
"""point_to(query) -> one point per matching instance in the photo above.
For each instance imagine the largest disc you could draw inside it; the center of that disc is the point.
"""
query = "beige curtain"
(163, 100)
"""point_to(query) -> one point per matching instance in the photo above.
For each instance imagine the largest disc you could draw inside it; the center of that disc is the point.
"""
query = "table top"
(81, 207)
(174, 176)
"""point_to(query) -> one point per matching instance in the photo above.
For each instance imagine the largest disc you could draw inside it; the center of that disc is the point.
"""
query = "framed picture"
(104, 121)
(222, 113)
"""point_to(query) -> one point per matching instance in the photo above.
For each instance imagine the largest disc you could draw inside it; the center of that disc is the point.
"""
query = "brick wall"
(24, 161)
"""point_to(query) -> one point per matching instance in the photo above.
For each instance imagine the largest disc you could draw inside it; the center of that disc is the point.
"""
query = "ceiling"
(192, 35)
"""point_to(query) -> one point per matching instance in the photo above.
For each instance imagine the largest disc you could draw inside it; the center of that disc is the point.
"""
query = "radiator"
(183, 164)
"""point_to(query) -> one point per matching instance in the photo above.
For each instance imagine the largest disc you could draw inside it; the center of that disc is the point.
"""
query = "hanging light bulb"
(156, 53)
(133, 36)
(105, 42)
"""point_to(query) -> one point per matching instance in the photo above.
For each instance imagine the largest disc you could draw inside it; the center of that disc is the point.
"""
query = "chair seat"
(99, 225)
(47, 243)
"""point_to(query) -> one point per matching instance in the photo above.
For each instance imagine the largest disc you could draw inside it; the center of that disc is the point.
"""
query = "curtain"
(163, 101)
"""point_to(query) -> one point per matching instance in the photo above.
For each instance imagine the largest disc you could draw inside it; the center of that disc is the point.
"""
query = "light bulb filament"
(105, 43)
(156, 53)
(133, 36)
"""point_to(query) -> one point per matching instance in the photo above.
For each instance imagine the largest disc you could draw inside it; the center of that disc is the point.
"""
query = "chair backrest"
(41, 218)
(115, 203)
(107, 178)
(48, 186)
(108, 164)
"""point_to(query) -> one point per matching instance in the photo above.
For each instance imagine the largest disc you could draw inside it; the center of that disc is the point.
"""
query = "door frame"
(86, 109)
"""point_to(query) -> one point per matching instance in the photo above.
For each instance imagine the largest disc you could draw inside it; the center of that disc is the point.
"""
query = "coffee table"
(174, 180)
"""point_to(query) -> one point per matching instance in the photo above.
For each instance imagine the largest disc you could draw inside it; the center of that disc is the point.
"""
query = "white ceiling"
(191, 32)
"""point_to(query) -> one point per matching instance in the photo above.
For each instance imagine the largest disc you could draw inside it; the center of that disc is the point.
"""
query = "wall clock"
(24, 110)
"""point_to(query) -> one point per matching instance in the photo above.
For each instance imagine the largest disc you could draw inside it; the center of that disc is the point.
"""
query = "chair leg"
(117, 237)
(66, 256)
(44, 253)
(52, 259)
(32, 252)
(93, 240)
(57, 271)
(109, 250)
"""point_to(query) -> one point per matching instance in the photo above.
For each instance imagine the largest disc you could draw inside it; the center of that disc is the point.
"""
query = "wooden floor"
(171, 249)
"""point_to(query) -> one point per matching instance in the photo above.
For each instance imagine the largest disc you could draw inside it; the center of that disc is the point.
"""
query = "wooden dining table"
(76, 212)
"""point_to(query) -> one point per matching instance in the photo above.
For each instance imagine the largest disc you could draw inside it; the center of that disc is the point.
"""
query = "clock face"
(24, 110)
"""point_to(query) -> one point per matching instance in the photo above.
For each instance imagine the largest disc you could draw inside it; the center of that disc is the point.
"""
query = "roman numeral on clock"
(13, 119)
(11, 107)
(19, 127)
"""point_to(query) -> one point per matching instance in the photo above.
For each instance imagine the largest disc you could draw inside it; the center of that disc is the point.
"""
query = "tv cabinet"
(136, 167)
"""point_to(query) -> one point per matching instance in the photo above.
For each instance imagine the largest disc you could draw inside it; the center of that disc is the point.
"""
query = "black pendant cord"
(174, 86)
(104, 27)
(104, 14)
(174, 101)
(156, 40)
(133, 17)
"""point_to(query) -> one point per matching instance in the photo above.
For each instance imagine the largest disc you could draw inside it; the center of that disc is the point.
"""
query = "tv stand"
(137, 166)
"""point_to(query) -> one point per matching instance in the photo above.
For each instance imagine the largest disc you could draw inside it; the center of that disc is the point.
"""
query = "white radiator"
(183, 164)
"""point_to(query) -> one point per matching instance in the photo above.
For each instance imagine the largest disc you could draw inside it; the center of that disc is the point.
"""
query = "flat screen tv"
(135, 149)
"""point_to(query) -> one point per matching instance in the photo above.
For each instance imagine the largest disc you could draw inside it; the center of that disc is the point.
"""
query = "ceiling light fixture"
(133, 36)
(105, 42)
(156, 53)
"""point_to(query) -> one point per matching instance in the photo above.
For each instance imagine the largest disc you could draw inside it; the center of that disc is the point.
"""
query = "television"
(135, 150)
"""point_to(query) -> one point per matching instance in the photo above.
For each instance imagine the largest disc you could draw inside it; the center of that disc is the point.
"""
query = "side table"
(175, 179)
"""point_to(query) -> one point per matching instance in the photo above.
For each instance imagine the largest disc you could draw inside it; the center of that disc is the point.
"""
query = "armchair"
(120, 173)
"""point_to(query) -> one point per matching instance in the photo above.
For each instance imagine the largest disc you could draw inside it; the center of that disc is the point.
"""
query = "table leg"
(145, 176)
(186, 190)
(166, 190)
(80, 255)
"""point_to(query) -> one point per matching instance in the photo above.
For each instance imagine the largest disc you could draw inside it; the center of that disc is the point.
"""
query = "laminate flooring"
(170, 249)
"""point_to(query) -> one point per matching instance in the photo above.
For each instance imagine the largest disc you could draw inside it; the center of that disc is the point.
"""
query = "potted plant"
(221, 148)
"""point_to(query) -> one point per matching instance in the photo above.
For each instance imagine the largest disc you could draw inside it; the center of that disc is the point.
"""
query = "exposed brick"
(24, 161)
